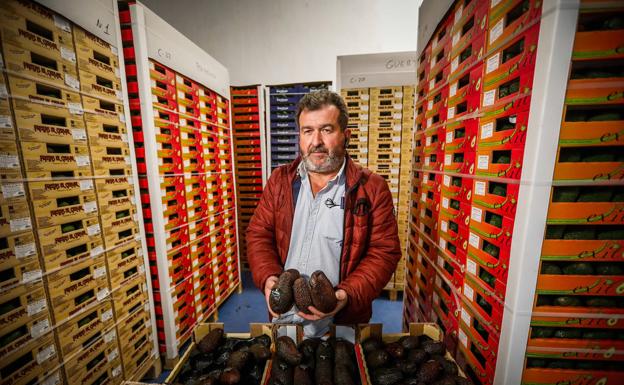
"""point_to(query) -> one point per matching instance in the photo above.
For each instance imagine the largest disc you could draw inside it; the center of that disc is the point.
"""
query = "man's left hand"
(341, 297)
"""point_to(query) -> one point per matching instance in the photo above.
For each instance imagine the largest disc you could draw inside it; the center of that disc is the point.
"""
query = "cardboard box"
(44, 98)
(499, 163)
(589, 133)
(17, 249)
(10, 158)
(62, 128)
(542, 376)
(138, 361)
(47, 29)
(92, 361)
(114, 183)
(508, 17)
(23, 303)
(31, 365)
(581, 250)
(76, 279)
(77, 331)
(483, 304)
(131, 297)
(55, 211)
(128, 229)
(118, 200)
(475, 356)
(55, 157)
(104, 111)
(503, 131)
(596, 44)
(21, 337)
(15, 218)
(111, 157)
(480, 330)
(105, 87)
(59, 238)
(32, 61)
(126, 271)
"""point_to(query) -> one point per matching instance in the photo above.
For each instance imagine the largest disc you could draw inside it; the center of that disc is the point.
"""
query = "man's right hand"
(268, 285)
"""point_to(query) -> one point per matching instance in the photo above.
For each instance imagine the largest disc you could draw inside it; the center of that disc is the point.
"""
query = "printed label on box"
(471, 266)
(96, 251)
(444, 226)
(90, 207)
(99, 272)
(445, 203)
(456, 38)
(45, 354)
(487, 130)
(474, 240)
(451, 113)
(497, 30)
(13, 190)
(458, 13)
(6, 122)
(440, 261)
(455, 64)
(62, 23)
(423, 197)
(463, 338)
(420, 257)
(107, 315)
(430, 104)
(23, 251)
(468, 292)
(110, 336)
(364, 108)
(364, 116)
(432, 81)
(116, 371)
(425, 178)
(398, 106)
(112, 355)
(68, 54)
(453, 89)
(40, 328)
(427, 161)
(364, 97)
(72, 81)
(492, 63)
(442, 243)
(429, 122)
(476, 214)
(20, 224)
(398, 94)
(438, 280)
(79, 134)
(483, 162)
(102, 294)
(3, 91)
(31, 276)
(9, 161)
(489, 97)
(436, 299)
(86, 185)
(480, 188)
(428, 141)
(448, 159)
(397, 116)
(447, 183)
(93, 229)
(54, 379)
(75, 108)
(449, 137)
(466, 317)
(36, 307)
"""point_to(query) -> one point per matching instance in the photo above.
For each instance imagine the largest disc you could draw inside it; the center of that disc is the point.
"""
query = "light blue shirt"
(316, 240)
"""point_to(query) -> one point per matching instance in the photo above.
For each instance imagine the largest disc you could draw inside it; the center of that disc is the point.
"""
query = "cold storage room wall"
(291, 41)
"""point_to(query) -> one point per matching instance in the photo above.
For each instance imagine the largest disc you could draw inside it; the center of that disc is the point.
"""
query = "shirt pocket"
(331, 230)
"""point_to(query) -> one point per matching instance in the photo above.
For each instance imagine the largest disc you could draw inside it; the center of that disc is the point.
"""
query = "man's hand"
(268, 285)
(316, 315)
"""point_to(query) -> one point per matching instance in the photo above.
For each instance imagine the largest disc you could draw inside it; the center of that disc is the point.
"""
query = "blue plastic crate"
(288, 89)
(283, 116)
(283, 108)
(281, 140)
(283, 156)
(284, 148)
(284, 125)
(285, 99)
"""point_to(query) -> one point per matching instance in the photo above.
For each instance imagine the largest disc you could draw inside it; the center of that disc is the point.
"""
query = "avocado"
(68, 228)
(487, 277)
(286, 350)
(578, 233)
(308, 347)
(263, 340)
(550, 268)
(387, 376)
(281, 298)
(578, 268)
(429, 371)
(417, 355)
(567, 300)
(554, 232)
(322, 291)
(502, 158)
(239, 359)
(260, 352)
(567, 333)
(596, 194)
(605, 117)
(372, 343)
(495, 220)
(609, 269)
(597, 334)
(598, 157)
(303, 375)
(408, 367)
(230, 376)
(377, 358)
(303, 297)
(565, 194)
(491, 249)
(541, 332)
(615, 22)
(499, 189)
(455, 204)
(434, 347)
(343, 375)
(610, 234)
(600, 302)
(395, 350)
(409, 342)
(448, 367)
(344, 355)
(561, 364)
(462, 381)
(281, 372)
(323, 372)
(211, 341)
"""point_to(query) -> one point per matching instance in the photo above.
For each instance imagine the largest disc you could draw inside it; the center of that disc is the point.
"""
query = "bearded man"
(325, 212)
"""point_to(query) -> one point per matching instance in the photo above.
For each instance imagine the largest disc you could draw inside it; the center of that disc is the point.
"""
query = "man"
(324, 212)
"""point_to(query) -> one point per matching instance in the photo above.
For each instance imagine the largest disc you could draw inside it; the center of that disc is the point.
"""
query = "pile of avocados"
(314, 361)
(410, 360)
(217, 360)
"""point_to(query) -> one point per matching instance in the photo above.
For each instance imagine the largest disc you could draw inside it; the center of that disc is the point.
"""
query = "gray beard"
(331, 164)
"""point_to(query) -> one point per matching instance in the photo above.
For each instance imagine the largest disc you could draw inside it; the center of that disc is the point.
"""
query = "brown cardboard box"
(52, 189)
(118, 221)
(20, 337)
(31, 364)
(106, 87)
(14, 217)
(55, 211)
(35, 96)
(17, 249)
(77, 301)
(23, 303)
(118, 200)
(101, 134)
(55, 157)
(62, 237)
(9, 158)
(71, 281)
(59, 128)
(90, 361)
(99, 110)
(74, 332)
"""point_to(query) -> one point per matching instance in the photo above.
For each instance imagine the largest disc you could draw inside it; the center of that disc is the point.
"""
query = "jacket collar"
(354, 172)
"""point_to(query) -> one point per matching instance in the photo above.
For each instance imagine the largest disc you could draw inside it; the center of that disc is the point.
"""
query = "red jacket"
(371, 248)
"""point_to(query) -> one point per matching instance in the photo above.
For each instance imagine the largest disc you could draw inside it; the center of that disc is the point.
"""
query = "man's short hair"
(316, 100)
